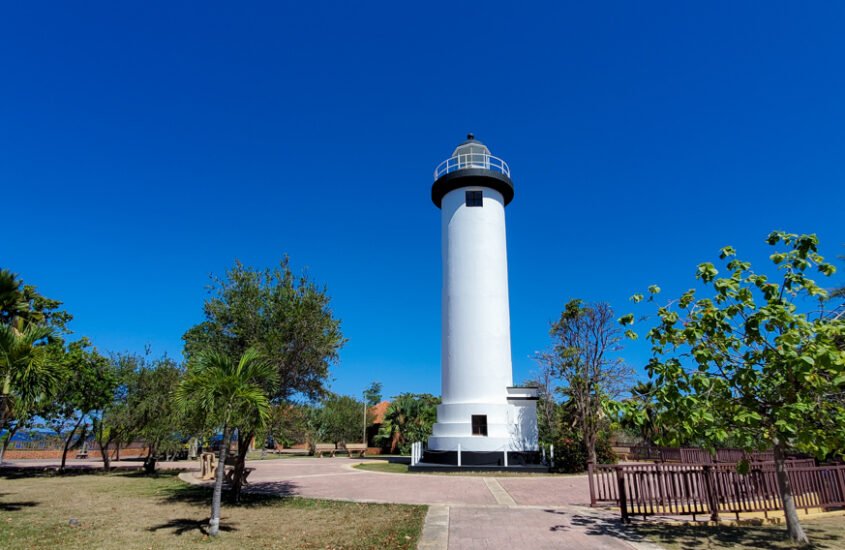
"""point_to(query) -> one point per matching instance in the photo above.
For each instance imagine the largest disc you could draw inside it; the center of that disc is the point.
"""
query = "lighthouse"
(482, 415)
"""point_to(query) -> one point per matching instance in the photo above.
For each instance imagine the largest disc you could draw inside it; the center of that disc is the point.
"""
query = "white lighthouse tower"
(482, 413)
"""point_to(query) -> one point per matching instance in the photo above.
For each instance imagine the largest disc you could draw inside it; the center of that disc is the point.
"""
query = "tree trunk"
(104, 452)
(240, 463)
(793, 524)
(9, 435)
(67, 445)
(591, 449)
(150, 461)
(214, 522)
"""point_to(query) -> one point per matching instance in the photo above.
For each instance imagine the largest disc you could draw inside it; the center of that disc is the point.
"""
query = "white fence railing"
(472, 160)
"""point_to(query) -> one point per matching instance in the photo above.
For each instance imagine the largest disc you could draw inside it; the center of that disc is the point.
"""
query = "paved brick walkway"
(466, 512)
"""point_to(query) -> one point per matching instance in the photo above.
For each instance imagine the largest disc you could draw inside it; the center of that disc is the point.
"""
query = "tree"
(409, 418)
(286, 318)
(750, 361)
(153, 415)
(115, 421)
(647, 427)
(26, 373)
(339, 419)
(289, 423)
(584, 341)
(548, 419)
(226, 391)
(86, 385)
(372, 397)
(31, 331)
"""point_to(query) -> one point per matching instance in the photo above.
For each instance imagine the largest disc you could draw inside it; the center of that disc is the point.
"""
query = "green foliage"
(642, 419)
(285, 318)
(748, 361)
(225, 391)
(153, 415)
(572, 455)
(339, 419)
(31, 345)
(372, 395)
(290, 424)
(409, 418)
(583, 358)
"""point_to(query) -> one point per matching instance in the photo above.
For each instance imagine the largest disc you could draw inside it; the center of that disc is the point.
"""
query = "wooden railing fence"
(714, 489)
(695, 455)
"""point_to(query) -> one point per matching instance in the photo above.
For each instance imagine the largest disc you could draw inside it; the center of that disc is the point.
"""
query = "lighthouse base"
(482, 428)
(481, 460)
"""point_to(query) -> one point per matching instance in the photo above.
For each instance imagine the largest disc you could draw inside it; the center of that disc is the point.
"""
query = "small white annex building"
(481, 410)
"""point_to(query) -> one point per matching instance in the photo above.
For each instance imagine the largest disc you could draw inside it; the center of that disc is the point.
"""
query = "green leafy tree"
(86, 385)
(153, 414)
(289, 423)
(116, 421)
(27, 374)
(287, 318)
(338, 419)
(31, 331)
(226, 391)
(585, 341)
(409, 418)
(750, 362)
(372, 395)
(647, 427)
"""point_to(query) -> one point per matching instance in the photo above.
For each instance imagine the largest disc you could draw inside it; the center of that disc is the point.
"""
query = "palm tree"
(26, 373)
(226, 391)
(409, 418)
(12, 300)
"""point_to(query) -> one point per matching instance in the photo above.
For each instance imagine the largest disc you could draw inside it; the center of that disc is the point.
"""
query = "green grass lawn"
(827, 534)
(131, 511)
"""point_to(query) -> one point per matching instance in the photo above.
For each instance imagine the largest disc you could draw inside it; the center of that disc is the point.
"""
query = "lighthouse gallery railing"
(472, 160)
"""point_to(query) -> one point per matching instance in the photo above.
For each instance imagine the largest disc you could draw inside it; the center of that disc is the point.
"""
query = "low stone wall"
(48, 454)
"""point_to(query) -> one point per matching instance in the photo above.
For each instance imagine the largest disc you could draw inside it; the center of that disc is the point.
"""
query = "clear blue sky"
(144, 146)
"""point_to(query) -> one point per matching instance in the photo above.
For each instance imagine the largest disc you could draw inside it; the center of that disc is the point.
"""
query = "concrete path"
(465, 512)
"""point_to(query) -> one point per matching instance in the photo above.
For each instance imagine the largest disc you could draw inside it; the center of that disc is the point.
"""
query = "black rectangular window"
(474, 198)
(479, 424)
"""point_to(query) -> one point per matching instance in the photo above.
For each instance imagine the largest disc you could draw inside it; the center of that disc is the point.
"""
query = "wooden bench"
(292, 452)
(82, 454)
(353, 448)
(321, 448)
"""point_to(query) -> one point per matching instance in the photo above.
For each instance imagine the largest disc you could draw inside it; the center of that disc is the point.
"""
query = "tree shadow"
(729, 536)
(265, 493)
(596, 525)
(180, 526)
(18, 506)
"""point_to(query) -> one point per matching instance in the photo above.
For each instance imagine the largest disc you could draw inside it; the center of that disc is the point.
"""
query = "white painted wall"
(476, 346)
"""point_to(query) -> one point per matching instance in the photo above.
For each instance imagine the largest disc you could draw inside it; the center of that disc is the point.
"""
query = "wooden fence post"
(710, 490)
(623, 499)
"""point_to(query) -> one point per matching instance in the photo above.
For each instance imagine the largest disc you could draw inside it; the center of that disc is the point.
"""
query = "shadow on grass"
(17, 506)
(267, 493)
(703, 536)
(181, 526)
